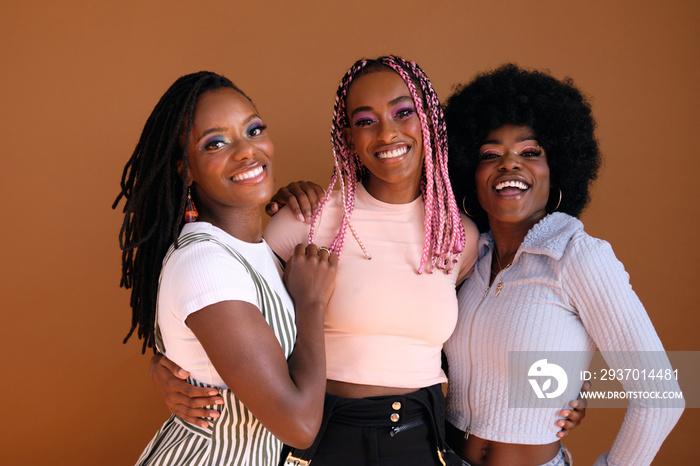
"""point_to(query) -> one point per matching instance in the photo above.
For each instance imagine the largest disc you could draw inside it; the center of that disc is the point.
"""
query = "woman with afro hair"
(543, 292)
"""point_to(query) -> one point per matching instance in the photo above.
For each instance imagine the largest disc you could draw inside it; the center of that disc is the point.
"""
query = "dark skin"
(302, 197)
(383, 127)
(230, 170)
(385, 133)
(383, 123)
(512, 183)
(187, 401)
(253, 360)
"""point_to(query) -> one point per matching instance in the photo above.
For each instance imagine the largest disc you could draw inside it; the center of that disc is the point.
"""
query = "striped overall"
(236, 437)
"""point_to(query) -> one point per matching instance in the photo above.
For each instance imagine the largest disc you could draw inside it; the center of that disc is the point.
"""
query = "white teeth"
(511, 184)
(247, 175)
(393, 153)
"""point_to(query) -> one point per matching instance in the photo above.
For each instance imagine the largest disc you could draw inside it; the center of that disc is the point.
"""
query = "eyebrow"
(522, 139)
(222, 129)
(392, 102)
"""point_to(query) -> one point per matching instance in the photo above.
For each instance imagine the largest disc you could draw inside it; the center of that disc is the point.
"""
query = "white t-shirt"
(202, 274)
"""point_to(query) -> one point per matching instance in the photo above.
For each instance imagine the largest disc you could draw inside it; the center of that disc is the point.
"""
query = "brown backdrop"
(79, 79)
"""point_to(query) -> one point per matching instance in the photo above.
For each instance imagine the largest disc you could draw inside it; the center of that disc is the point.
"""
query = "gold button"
(396, 405)
(394, 417)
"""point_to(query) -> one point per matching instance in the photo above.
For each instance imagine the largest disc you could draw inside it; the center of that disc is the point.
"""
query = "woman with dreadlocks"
(214, 302)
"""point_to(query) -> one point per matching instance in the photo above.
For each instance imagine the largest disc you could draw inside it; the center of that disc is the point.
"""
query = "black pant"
(381, 431)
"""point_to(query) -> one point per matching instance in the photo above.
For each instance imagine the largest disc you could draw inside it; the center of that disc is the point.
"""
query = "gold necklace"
(499, 287)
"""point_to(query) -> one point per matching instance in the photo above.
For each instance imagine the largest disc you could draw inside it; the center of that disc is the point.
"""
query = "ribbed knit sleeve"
(598, 288)
(201, 275)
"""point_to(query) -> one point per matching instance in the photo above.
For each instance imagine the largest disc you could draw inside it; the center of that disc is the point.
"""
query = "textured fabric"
(385, 324)
(206, 273)
(565, 291)
(236, 437)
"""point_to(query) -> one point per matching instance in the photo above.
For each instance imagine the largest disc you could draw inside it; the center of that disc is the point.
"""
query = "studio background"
(79, 79)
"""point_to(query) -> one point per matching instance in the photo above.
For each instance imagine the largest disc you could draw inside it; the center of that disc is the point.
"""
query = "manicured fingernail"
(214, 414)
(565, 413)
(213, 392)
(300, 217)
(218, 401)
(182, 373)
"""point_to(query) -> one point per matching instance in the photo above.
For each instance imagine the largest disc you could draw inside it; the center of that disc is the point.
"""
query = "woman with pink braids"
(397, 229)
(403, 248)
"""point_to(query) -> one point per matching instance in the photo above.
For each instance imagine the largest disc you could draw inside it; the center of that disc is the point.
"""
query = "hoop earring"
(191, 213)
(465, 209)
(558, 203)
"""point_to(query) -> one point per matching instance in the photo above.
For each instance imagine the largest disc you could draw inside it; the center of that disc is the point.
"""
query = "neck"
(509, 236)
(392, 193)
(244, 224)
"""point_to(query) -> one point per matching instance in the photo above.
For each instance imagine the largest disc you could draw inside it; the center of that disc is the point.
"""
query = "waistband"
(381, 411)
(425, 405)
(563, 458)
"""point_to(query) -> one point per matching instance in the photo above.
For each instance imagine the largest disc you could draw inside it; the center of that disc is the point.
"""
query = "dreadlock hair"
(156, 193)
(444, 238)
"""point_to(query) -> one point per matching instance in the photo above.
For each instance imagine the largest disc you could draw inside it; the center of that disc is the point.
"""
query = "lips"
(248, 174)
(393, 153)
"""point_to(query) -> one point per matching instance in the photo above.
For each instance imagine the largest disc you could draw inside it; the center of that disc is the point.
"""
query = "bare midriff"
(353, 390)
(481, 452)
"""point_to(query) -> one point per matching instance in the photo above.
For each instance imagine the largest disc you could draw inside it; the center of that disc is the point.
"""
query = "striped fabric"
(236, 437)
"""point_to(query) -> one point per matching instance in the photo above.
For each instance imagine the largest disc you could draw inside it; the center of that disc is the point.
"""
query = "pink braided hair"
(444, 239)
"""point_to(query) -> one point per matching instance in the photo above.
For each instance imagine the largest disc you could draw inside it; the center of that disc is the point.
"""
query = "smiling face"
(386, 135)
(512, 178)
(229, 155)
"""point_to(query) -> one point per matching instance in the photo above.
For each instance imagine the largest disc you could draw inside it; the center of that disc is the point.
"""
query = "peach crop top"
(385, 323)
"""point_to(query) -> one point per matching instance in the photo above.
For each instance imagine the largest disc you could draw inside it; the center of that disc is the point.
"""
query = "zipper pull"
(487, 291)
(466, 433)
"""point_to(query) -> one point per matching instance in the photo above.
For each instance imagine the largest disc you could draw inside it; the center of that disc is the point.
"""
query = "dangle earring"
(191, 213)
